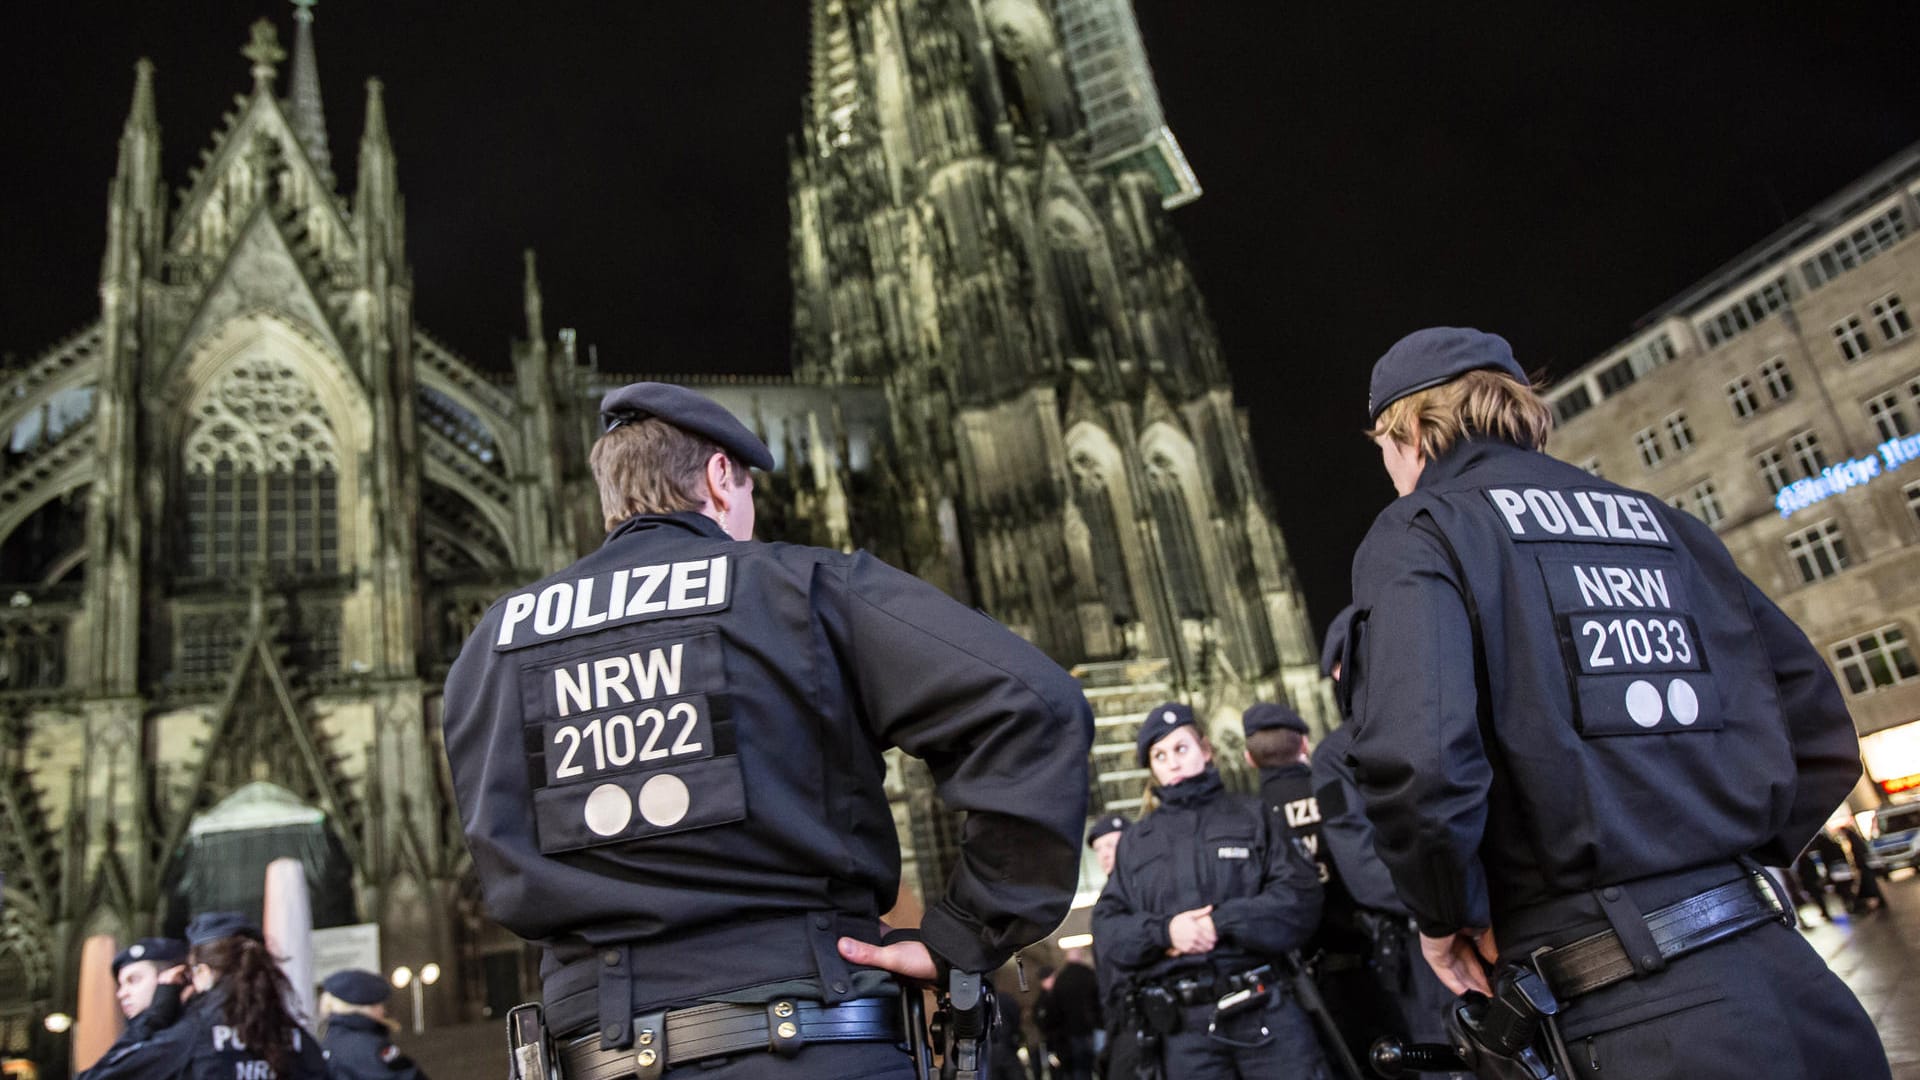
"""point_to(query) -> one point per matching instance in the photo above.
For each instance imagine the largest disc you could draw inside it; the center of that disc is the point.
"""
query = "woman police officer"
(1203, 894)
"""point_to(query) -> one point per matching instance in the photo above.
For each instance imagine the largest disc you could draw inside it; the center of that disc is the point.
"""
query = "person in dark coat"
(1572, 713)
(1838, 870)
(234, 1022)
(1866, 879)
(355, 1031)
(1120, 1059)
(669, 765)
(149, 977)
(1070, 1014)
(1205, 893)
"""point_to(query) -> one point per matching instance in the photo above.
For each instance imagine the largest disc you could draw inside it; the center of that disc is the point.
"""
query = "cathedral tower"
(980, 224)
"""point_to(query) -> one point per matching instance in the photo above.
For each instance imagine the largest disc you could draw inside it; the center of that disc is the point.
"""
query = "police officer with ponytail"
(1205, 900)
(234, 1024)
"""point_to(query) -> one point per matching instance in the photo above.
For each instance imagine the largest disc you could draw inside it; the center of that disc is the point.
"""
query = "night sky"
(1552, 172)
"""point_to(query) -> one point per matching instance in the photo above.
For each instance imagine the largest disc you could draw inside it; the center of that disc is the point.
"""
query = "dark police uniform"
(1205, 845)
(1574, 710)
(201, 1045)
(1341, 949)
(164, 1009)
(1120, 1059)
(668, 764)
(359, 1047)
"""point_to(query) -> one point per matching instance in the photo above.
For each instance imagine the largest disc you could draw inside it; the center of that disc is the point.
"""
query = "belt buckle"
(1784, 912)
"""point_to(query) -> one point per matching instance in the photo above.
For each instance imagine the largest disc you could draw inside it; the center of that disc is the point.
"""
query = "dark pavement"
(1876, 955)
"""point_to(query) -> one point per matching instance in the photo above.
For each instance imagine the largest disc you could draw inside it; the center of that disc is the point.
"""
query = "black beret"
(210, 926)
(165, 952)
(357, 987)
(1112, 823)
(1335, 647)
(1265, 715)
(685, 409)
(1438, 354)
(1163, 720)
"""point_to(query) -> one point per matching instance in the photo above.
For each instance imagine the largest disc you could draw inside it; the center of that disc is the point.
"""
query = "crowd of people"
(218, 1004)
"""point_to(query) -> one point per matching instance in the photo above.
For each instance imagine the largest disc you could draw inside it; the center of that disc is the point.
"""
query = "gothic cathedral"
(248, 515)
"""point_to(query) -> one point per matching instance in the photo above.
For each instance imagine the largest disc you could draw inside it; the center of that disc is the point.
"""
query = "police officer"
(1580, 729)
(234, 1024)
(668, 765)
(1341, 951)
(148, 977)
(1120, 1057)
(1204, 901)
(357, 1036)
(1407, 1000)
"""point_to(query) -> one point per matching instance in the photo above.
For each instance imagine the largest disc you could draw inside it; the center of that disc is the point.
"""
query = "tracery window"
(1186, 574)
(1095, 503)
(261, 483)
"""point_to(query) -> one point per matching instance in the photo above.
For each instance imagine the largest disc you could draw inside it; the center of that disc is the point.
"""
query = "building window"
(1678, 433)
(1773, 468)
(1649, 443)
(1178, 543)
(1874, 660)
(1616, 378)
(1852, 338)
(1746, 312)
(1856, 247)
(1891, 318)
(1913, 499)
(1807, 454)
(1705, 500)
(1740, 398)
(1778, 380)
(1818, 553)
(1888, 416)
(1573, 403)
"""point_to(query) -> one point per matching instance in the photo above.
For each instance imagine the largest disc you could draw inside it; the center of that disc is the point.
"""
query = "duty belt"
(1603, 959)
(1203, 987)
(663, 1040)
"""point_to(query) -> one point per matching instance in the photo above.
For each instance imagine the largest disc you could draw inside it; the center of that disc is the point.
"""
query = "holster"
(530, 1053)
(1157, 1011)
(1510, 1035)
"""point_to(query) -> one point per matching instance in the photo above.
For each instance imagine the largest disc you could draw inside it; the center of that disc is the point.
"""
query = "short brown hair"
(1270, 748)
(651, 467)
(1485, 403)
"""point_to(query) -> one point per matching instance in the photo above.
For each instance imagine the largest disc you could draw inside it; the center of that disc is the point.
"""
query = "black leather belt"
(1601, 960)
(663, 1040)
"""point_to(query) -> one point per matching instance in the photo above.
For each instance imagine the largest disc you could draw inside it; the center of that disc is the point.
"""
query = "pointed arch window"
(1179, 545)
(1095, 503)
(1070, 241)
(260, 478)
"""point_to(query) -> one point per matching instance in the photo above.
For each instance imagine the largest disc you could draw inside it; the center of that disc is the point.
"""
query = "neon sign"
(1835, 479)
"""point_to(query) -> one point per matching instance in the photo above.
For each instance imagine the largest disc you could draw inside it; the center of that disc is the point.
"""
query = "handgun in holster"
(530, 1053)
(962, 1024)
(1510, 1036)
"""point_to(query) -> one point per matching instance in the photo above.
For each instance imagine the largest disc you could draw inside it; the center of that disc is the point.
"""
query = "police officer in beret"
(668, 765)
(234, 1023)
(1402, 996)
(1580, 731)
(355, 1031)
(1205, 900)
(148, 978)
(1121, 1054)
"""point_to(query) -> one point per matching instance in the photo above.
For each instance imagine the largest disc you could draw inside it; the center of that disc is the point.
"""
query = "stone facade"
(248, 515)
(1744, 400)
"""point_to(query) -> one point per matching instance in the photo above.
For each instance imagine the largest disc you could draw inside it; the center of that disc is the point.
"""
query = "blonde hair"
(330, 1007)
(651, 467)
(1478, 403)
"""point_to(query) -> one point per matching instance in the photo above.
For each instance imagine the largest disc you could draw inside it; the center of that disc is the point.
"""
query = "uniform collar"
(690, 520)
(356, 1022)
(1194, 790)
(1465, 455)
(1298, 768)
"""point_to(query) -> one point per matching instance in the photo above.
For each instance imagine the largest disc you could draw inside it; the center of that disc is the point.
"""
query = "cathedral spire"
(536, 325)
(303, 91)
(263, 48)
(141, 116)
(377, 197)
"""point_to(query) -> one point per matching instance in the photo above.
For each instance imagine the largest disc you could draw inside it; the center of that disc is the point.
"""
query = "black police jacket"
(1205, 845)
(1345, 832)
(1288, 795)
(361, 1048)
(201, 1045)
(1561, 684)
(674, 746)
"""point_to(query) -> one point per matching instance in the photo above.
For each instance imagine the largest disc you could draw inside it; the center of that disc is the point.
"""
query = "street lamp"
(59, 1023)
(403, 977)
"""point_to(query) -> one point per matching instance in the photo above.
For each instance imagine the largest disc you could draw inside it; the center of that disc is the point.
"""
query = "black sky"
(1550, 171)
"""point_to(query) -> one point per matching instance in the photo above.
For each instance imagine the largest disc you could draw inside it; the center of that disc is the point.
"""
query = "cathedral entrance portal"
(222, 865)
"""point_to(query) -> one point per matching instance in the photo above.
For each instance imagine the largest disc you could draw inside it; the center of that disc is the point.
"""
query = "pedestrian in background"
(1580, 731)
(355, 1031)
(1205, 901)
